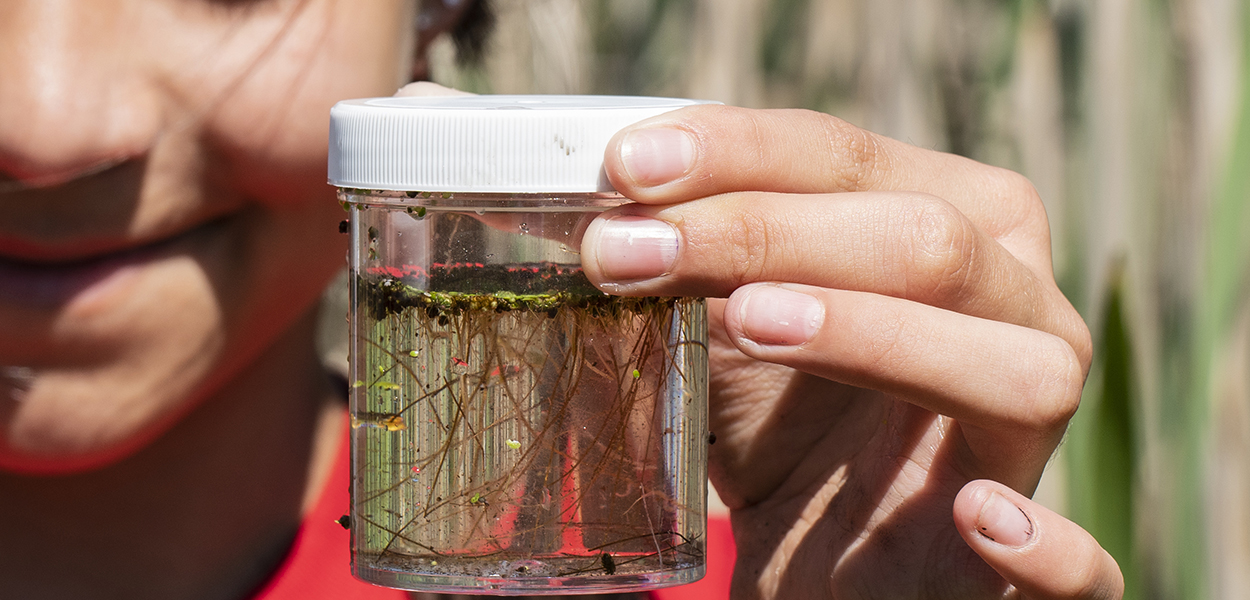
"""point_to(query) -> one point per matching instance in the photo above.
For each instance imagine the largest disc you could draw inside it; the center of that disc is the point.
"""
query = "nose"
(73, 96)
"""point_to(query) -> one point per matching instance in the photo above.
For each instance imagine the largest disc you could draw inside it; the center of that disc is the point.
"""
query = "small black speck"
(342, 226)
(609, 565)
(711, 438)
(443, 320)
(345, 522)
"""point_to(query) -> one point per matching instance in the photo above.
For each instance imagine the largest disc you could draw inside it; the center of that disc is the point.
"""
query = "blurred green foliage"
(1102, 443)
(1132, 121)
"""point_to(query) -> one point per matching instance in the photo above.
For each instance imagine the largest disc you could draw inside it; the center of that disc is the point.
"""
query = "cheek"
(295, 251)
(273, 126)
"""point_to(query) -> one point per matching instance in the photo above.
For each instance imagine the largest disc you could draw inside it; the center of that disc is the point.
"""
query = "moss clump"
(493, 288)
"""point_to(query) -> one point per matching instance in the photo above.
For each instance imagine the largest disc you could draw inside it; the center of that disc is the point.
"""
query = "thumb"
(1042, 554)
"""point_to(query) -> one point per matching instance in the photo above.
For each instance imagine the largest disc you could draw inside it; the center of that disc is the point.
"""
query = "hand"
(889, 332)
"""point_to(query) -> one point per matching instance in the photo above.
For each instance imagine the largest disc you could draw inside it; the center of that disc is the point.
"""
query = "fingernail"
(633, 248)
(1003, 522)
(777, 316)
(655, 156)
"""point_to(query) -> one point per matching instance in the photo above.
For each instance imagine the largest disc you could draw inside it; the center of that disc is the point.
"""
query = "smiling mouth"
(40, 283)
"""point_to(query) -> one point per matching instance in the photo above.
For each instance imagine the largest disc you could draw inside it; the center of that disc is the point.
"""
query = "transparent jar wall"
(514, 429)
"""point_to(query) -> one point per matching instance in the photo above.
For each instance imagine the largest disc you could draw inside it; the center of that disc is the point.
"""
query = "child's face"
(163, 207)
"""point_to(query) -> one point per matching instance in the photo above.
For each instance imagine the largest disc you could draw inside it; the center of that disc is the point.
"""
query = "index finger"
(706, 150)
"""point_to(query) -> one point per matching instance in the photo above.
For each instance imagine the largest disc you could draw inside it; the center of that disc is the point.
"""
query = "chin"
(57, 460)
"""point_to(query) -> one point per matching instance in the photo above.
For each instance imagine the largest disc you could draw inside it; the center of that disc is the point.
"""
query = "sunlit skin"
(891, 351)
(165, 230)
(164, 167)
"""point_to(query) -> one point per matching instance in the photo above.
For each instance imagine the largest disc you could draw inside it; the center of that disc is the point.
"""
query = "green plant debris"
(388, 422)
(389, 295)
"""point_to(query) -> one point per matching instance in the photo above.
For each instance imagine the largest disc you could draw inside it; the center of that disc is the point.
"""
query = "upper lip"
(9, 183)
(90, 219)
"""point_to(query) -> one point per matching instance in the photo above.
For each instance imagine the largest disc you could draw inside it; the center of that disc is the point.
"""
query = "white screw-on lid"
(517, 144)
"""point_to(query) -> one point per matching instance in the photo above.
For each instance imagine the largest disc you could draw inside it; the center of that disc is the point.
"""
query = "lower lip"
(36, 287)
(52, 286)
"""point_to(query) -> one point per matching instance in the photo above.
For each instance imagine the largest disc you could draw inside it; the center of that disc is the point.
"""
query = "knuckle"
(888, 340)
(751, 238)
(758, 138)
(1081, 340)
(1054, 387)
(1086, 577)
(751, 133)
(857, 156)
(1078, 581)
(1020, 188)
(941, 249)
(1027, 210)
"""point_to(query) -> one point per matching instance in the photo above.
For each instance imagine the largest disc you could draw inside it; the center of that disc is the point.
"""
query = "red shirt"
(317, 564)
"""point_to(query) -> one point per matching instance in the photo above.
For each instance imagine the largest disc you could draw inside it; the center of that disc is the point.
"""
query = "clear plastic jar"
(515, 430)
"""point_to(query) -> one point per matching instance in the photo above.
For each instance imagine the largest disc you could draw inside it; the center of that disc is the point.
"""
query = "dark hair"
(472, 32)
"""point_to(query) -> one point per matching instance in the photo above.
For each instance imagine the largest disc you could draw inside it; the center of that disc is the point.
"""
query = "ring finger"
(1011, 388)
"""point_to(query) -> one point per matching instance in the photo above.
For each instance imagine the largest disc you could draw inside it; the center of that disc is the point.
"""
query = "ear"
(436, 18)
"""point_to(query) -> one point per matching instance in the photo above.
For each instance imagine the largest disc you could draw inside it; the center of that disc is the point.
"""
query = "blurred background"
(1132, 118)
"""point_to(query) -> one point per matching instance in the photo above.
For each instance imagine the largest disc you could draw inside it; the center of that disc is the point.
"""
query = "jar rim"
(488, 201)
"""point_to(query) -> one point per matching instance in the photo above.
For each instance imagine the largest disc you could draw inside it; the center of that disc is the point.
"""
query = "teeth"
(18, 373)
(15, 381)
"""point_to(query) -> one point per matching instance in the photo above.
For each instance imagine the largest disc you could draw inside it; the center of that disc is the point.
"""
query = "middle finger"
(900, 244)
